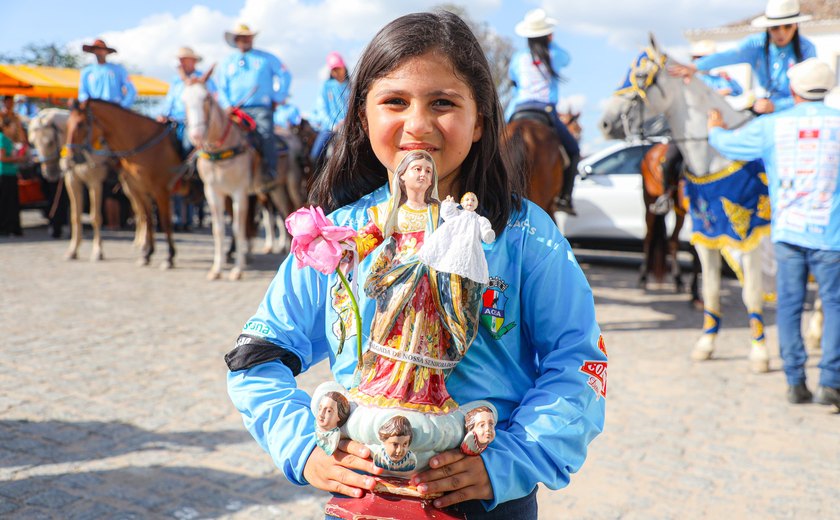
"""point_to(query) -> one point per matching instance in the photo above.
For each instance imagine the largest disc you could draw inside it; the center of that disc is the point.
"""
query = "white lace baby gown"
(455, 247)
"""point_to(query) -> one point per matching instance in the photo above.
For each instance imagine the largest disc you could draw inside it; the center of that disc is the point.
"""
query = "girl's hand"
(334, 473)
(461, 477)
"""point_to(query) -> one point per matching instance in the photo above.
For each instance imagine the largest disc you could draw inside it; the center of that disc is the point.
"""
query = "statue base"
(392, 499)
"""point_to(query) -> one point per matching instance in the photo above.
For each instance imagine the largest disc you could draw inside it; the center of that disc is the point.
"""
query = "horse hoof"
(759, 366)
(97, 257)
(704, 348)
(167, 265)
(214, 275)
(143, 262)
(699, 354)
(71, 255)
(235, 275)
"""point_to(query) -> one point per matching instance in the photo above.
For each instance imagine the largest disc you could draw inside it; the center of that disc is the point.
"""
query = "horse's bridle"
(89, 147)
(57, 143)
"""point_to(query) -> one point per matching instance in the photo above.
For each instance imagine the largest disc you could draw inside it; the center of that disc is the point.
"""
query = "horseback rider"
(256, 82)
(103, 80)
(536, 82)
(770, 54)
(173, 105)
(331, 107)
(672, 163)
(285, 117)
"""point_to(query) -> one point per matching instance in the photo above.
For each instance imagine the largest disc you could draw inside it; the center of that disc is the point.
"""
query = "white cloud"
(574, 103)
(626, 24)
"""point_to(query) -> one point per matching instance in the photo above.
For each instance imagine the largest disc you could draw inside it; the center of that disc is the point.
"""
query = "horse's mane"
(126, 111)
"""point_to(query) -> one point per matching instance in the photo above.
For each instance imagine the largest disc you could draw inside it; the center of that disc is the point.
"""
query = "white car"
(608, 198)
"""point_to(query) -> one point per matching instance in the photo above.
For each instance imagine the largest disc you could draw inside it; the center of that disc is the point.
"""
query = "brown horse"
(146, 152)
(536, 146)
(572, 121)
(658, 247)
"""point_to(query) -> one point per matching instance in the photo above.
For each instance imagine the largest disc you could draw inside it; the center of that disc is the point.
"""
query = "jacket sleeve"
(130, 91)
(745, 52)
(83, 89)
(547, 435)
(222, 92)
(285, 337)
(284, 78)
(744, 144)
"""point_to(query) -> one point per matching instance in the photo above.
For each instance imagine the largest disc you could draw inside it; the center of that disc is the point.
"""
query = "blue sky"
(602, 36)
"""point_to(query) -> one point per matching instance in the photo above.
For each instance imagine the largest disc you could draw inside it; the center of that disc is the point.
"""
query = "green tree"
(45, 54)
(498, 49)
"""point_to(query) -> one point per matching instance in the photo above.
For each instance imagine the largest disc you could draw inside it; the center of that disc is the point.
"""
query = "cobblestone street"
(113, 400)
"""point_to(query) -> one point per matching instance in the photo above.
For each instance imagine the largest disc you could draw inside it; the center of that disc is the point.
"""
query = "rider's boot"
(564, 203)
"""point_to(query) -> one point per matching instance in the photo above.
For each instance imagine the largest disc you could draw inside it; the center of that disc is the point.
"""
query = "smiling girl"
(423, 83)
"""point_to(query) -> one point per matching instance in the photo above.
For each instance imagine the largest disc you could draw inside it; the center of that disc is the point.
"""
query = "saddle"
(534, 114)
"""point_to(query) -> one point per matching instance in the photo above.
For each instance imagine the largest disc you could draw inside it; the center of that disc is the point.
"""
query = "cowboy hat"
(240, 30)
(535, 24)
(780, 12)
(811, 79)
(703, 48)
(187, 52)
(96, 45)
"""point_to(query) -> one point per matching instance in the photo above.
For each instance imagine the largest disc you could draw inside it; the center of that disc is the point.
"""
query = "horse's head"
(639, 98)
(46, 135)
(198, 103)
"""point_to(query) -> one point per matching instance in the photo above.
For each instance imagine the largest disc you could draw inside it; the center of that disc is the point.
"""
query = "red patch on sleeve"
(597, 372)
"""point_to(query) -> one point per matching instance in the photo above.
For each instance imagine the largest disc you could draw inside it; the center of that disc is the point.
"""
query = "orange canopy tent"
(53, 82)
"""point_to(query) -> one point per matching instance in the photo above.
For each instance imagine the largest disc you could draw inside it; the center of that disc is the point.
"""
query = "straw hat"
(811, 79)
(240, 30)
(96, 45)
(187, 52)
(703, 48)
(535, 24)
(780, 12)
(335, 61)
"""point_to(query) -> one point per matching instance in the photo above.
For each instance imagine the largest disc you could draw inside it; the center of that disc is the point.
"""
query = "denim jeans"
(794, 263)
(264, 119)
(524, 508)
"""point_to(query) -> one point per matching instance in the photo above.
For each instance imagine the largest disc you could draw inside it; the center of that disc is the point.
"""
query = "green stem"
(357, 315)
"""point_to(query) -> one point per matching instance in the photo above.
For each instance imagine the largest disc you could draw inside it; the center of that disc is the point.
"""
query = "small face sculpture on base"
(333, 411)
(480, 424)
(394, 453)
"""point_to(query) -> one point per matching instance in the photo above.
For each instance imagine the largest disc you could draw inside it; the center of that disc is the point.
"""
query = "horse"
(147, 154)
(538, 152)
(685, 106)
(572, 121)
(229, 166)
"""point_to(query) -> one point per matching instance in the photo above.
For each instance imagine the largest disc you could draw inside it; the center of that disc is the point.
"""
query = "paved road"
(113, 402)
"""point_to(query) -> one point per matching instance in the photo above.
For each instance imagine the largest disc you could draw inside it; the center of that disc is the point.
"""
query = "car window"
(625, 161)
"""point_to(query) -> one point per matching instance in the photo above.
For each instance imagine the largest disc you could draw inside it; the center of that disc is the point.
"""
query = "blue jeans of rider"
(794, 263)
(264, 118)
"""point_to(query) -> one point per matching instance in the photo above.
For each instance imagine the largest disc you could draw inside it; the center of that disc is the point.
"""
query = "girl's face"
(418, 176)
(422, 105)
(782, 35)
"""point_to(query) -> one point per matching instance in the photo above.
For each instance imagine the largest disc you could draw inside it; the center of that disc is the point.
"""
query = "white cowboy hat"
(187, 52)
(703, 48)
(780, 12)
(535, 24)
(240, 30)
(811, 79)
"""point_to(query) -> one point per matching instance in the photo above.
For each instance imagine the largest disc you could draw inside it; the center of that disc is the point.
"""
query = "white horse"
(649, 91)
(228, 165)
(47, 134)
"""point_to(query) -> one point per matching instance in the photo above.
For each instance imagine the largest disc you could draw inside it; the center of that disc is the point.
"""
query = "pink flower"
(316, 242)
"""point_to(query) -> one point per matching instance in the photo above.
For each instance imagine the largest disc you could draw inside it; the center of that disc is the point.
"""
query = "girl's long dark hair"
(354, 171)
(539, 52)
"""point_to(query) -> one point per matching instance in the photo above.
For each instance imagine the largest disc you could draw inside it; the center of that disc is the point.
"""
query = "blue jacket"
(718, 82)
(800, 148)
(287, 115)
(538, 338)
(249, 79)
(173, 105)
(751, 51)
(532, 83)
(108, 81)
(331, 105)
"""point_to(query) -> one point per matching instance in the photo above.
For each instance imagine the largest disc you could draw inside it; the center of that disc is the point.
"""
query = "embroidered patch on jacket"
(597, 372)
(493, 306)
(602, 346)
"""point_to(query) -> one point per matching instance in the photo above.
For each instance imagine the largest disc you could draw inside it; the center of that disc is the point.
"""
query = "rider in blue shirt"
(770, 54)
(800, 147)
(536, 86)
(257, 82)
(286, 116)
(331, 106)
(106, 81)
(173, 105)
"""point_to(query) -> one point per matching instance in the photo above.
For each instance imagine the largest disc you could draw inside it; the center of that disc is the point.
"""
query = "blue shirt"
(529, 361)
(531, 81)
(287, 115)
(774, 79)
(26, 108)
(801, 152)
(720, 82)
(173, 105)
(331, 106)
(107, 81)
(253, 79)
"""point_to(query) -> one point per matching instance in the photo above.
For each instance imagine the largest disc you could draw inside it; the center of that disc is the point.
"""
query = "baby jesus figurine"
(393, 454)
(333, 411)
(480, 424)
(455, 247)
